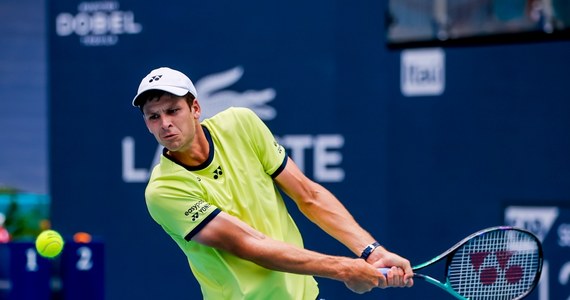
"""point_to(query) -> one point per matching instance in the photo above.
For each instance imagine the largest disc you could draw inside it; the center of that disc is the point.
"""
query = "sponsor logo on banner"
(215, 96)
(422, 72)
(538, 220)
(98, 23)
(551, 224)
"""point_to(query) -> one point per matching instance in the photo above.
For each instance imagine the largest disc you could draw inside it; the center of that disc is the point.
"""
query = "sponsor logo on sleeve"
(197, 210)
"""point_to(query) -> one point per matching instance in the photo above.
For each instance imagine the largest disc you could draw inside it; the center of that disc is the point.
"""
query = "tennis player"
(216, 193)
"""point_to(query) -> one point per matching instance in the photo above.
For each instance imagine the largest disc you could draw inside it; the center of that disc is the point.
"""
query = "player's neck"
(196, 154)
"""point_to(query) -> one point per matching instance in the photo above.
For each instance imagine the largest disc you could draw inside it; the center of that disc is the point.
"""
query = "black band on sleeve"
(281, 167)
(207, 220)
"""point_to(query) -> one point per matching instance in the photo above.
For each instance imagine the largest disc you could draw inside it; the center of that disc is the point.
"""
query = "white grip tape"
(384, 270)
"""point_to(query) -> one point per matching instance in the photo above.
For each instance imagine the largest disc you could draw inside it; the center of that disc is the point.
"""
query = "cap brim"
(171, 89)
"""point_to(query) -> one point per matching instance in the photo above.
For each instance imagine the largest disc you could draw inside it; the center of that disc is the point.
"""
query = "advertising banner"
(422, 146)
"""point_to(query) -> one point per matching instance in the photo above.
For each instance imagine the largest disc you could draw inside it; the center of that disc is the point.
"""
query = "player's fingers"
(389, 278)
(382, 280)
(397, 278)
(408, 280)
(408, 274)
(392, 277)
(401, 274)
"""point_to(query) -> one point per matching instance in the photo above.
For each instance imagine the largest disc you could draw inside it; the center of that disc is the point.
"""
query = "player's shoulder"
(233, 115)
(168, 174)
(236, 111)
(169, 180)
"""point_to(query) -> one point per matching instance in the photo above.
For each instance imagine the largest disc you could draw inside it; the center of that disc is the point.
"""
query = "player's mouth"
(169, 137)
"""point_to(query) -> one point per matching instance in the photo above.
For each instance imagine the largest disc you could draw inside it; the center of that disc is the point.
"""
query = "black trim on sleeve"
(281, 168)
(207, 220)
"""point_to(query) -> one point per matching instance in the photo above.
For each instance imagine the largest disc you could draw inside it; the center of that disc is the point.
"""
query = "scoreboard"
(78, 273)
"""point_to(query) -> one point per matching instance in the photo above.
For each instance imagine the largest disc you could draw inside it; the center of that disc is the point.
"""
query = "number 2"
(84, 263)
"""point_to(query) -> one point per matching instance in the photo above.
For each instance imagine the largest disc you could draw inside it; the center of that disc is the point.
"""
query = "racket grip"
(384, 271)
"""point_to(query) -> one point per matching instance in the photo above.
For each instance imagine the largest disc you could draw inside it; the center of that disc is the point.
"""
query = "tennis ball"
(49, 243)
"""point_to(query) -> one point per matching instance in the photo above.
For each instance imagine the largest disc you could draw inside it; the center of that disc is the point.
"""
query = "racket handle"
(384, 271)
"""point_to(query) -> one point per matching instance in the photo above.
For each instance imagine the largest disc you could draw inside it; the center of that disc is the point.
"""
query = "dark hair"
(155, 94)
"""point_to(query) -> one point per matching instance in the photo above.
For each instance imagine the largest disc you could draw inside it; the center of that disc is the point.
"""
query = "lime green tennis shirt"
(237, 178)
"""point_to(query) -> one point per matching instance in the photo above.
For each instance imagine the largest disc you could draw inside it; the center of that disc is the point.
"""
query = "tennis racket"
(497, 263)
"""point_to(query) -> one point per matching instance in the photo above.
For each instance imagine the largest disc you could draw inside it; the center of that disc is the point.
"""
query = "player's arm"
(228, 233)
(321, 207)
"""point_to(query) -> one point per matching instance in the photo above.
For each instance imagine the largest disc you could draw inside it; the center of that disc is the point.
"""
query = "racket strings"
(496, 265)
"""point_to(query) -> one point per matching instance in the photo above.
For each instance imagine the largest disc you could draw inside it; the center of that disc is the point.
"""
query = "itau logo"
(97, 23)
(422, 72)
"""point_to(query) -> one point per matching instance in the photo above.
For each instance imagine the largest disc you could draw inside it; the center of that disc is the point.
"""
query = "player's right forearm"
(358, 275)
(228, 233)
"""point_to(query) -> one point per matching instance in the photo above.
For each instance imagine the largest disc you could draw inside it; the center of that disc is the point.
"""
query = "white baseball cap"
(168, 80)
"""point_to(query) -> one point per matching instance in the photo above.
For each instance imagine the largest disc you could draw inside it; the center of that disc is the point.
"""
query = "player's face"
(172, 122)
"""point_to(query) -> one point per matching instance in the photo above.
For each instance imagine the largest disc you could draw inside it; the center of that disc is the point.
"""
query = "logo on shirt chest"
(218, 172)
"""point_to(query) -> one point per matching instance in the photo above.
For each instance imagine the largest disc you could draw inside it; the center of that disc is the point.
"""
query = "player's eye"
(172, 111)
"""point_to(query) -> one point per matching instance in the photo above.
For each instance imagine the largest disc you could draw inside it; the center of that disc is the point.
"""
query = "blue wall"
(23, 120)
(419, 172)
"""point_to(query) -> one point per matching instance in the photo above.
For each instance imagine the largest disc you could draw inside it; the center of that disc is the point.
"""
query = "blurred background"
(429, 119)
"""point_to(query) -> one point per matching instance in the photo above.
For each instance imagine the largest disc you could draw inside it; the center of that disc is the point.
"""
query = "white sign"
(422, 72)
(97, 23)
(538, 220)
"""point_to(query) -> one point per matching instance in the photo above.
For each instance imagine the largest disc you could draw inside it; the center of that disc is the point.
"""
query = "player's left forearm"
(327, 212)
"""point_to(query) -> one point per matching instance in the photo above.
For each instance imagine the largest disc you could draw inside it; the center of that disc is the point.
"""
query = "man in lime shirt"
(216, 193)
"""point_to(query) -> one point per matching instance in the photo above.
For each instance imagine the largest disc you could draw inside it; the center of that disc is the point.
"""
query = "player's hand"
(361, 277)
(400, 274)
(394, 278)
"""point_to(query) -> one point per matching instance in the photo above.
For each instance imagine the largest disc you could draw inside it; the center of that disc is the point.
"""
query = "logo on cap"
(155, 78)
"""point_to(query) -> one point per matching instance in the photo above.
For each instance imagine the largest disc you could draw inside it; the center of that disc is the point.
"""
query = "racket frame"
(449, 253)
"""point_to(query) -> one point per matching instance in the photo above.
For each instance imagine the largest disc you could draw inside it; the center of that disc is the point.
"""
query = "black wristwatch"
(368, 250)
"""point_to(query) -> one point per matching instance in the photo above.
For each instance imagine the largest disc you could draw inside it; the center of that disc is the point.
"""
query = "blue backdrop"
(423, 151)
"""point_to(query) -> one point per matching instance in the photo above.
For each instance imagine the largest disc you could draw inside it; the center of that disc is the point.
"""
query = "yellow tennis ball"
(49, 243)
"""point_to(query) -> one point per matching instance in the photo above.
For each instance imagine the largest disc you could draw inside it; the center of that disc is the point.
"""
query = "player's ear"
(196, 109)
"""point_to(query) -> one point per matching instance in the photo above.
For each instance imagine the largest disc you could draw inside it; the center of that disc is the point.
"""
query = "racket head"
(495, 263)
